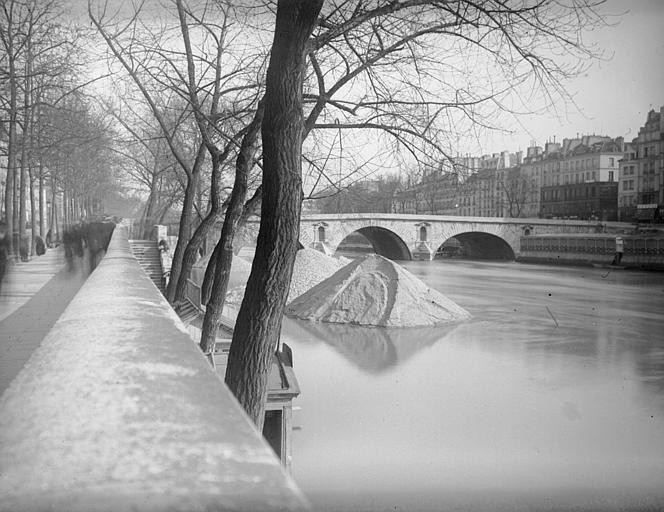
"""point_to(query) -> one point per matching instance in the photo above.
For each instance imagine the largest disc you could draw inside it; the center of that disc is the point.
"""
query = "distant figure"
(40, 248)
(4, 251)
(49, 239)
(78, 241)
(619, 250)
(163, 245)
(68, 242)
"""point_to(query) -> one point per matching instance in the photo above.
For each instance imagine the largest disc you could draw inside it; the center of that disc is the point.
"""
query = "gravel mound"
(375, 291)
(311, 267)
(239, 267)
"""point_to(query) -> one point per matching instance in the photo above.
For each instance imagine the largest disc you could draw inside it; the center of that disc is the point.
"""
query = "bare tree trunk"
(9, 183)
(184, 232)
(258, 325)
(33, 217)
(53, 225)
(42, 207)
(222, 257)
(25, 139)
(148, 214)
(191, 251)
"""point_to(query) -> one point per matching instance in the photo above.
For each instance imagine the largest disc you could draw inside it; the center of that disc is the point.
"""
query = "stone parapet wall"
(119, 410)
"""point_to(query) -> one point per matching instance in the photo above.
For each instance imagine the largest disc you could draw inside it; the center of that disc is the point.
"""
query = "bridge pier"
(423, 251)
(322, 247)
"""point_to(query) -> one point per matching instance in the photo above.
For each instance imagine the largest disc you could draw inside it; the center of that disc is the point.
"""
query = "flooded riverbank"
(552, 396)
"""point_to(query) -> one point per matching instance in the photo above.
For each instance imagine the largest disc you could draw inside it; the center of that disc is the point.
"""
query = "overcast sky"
(614, 96)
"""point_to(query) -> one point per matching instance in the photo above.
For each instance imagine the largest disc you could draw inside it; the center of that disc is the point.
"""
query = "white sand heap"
(239, 267)
(311, 267)
(375, 291)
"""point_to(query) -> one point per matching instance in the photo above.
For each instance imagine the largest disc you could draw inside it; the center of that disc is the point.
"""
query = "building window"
(611, 176)
(611, 162)
(625, 185)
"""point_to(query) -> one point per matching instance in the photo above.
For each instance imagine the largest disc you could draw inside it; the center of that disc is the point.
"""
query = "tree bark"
(42, 207)
(197, 239)
(148, 214)
(219, 267)
(184, 230)
(33, 211)
(258, 325)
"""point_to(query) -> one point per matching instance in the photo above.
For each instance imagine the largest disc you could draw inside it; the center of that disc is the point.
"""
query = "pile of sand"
(311, 267)
(378, 292)
(239, 267)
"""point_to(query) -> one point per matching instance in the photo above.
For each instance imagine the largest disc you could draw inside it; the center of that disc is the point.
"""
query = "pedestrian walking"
(40, 247)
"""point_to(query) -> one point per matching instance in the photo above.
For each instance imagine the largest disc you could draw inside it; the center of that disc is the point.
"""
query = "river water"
(550, 398)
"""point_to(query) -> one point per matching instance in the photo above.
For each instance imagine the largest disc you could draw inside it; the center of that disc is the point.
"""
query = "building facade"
(583, 201)
(641, 189)
(561, 176)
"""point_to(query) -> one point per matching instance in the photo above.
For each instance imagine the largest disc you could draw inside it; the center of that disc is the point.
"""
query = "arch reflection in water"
(372, 349)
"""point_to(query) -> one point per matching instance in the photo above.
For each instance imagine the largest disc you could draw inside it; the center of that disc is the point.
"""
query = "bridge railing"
(118, 410)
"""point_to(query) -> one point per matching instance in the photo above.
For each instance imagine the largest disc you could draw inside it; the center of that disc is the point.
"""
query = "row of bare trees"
(53, 140)
(221, 107)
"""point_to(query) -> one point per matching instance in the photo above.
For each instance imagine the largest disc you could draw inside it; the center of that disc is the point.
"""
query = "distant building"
(467, 186)
(585, 201)
(435, 194)
(577, 178)
(641, 190)
(559, 176)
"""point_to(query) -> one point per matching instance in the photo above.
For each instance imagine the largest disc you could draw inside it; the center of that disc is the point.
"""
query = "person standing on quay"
(619, 250)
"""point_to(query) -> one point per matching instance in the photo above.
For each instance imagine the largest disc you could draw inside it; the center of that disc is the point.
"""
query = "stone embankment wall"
(118, 410)
(640, 251)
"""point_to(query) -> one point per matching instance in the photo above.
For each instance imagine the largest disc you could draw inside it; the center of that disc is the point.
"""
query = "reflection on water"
(551, 397)
(372, 349)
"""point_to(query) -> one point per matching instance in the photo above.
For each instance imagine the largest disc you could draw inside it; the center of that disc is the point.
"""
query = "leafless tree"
(367, 50)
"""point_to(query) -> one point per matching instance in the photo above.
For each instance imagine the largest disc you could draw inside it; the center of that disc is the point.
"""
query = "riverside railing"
(119, 410)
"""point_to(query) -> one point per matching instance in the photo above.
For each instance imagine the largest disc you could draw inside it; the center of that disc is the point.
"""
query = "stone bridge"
(405, 237)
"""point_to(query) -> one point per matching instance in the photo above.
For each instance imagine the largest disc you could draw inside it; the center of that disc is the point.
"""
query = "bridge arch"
(384, 242)
(479, 245)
